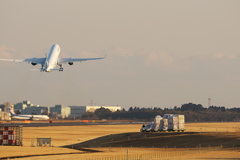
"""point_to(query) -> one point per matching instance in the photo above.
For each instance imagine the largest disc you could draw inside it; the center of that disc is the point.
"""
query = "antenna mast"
(91, 103)
(209, 102)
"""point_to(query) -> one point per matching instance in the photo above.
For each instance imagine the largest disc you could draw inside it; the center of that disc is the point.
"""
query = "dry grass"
(66, 135)
(213, 127)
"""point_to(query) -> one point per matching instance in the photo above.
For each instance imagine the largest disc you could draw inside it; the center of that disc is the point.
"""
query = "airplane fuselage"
(52, 58)
(27, 117)
(31, 117)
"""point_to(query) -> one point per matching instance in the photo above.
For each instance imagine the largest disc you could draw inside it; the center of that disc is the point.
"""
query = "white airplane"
(52, 60)
(27, 117)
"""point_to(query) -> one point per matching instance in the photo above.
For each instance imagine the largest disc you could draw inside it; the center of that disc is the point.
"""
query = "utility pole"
(209, 102)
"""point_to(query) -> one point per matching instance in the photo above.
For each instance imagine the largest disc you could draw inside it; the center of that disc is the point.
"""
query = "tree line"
(192, 112)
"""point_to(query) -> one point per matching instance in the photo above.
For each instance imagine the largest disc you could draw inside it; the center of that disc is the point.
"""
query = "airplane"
(52, 60)
(27, 117)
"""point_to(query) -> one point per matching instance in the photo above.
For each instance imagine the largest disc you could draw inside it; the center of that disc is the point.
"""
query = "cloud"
(224, 56)
(159, 59)
(152, 58)
(88, 54)
(171, 61)
(180, 62)
(6, 52)
(123, 52)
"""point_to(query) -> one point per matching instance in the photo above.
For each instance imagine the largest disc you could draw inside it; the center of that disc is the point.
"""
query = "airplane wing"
(29, 60)
(68, 60)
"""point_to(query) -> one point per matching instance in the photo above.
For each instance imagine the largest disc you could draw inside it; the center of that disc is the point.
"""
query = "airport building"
(56, 112)
(78, 111)
(4, 114)
(26, 107)
(22, 105)
(36, 110)
(59, 111)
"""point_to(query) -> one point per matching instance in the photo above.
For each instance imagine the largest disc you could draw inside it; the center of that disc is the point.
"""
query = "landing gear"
(61, 68)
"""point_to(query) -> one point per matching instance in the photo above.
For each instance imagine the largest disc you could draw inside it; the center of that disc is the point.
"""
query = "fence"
(160, 154)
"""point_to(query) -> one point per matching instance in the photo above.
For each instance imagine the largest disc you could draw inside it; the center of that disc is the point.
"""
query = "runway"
(66, 124)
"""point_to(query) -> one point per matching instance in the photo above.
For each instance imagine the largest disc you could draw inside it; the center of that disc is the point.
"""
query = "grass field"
(214, 134)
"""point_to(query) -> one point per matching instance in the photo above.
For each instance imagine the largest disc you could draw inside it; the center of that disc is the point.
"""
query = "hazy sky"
(160, 53)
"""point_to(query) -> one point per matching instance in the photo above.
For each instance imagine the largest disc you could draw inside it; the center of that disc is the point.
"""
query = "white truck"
(169, 122)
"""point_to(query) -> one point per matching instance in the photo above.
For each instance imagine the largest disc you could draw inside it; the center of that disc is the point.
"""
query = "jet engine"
(70, 63)
(34, 64)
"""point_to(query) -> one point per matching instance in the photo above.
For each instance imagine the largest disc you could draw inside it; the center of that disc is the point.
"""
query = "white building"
(62, 112)
(4, 113)
(78, 111)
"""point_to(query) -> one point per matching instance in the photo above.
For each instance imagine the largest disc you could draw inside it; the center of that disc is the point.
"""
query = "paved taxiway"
(67, 124)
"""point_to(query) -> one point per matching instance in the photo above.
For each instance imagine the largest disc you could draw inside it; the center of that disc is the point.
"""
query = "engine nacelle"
(34, 64)
(70, 63)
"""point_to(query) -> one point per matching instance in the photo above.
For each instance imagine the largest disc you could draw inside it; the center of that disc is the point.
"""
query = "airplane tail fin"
(11, 112)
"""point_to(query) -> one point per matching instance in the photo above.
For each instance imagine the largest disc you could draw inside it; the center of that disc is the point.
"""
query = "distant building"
(78, 111)
(61, 111)
(26, 107)
(4, 114)
(58, 111)
(19, 107)
(36, 110)
(111, 108)
(28, 103)
(2, 107)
